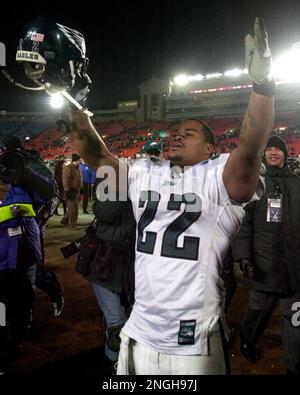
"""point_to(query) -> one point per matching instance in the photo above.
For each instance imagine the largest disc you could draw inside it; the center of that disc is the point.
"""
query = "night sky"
(129, 42)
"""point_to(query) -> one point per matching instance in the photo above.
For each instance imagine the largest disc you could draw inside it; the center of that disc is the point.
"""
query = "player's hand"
(258, 54)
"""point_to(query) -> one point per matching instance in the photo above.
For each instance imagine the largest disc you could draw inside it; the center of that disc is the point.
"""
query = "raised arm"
(88, 142)
(241, 173)
(93, 150)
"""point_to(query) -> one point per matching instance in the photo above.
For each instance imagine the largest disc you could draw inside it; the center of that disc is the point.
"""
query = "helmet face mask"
(33, 71)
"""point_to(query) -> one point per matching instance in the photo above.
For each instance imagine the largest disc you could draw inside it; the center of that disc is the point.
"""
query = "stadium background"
(74, 342)
(220, 99)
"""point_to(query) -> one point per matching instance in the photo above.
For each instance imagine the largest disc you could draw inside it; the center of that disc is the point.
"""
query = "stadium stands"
(126, 138)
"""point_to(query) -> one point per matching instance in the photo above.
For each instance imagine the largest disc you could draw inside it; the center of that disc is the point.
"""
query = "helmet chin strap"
(15, 83)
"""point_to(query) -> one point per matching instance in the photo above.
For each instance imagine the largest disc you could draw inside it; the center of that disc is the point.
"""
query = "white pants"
(136, 359)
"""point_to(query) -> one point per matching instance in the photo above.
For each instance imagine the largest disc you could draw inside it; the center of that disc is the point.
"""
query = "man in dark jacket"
(268, 250)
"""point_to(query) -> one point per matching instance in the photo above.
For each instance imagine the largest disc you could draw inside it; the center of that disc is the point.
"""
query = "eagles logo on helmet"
(53, 56)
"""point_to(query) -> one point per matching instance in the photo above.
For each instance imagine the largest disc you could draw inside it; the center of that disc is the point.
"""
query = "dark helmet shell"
(51, 52)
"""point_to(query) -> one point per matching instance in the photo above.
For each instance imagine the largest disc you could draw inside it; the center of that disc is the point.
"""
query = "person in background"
(153, 149)
(26, 185)
(268, 250)
(112, 269)
(72, 183)
(88, 179)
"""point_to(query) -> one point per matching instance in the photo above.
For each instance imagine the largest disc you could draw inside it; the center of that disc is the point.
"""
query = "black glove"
(246, 267)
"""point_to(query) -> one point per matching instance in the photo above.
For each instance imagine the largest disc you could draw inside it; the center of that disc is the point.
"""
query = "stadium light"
(181, 79)
(56, 101)
(184, 79)
(198, 77)
(233, 73)
(213, 75)
(287, 66)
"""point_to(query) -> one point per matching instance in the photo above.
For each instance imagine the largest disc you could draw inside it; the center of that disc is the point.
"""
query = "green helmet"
(153, 146)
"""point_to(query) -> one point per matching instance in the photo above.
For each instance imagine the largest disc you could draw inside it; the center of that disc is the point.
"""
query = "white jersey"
(185, 224)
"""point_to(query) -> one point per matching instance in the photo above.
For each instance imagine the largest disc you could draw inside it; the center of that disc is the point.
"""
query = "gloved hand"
(246, 267)
(259, 60)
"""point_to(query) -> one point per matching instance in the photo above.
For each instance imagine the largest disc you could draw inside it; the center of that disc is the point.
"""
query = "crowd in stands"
(126, 138)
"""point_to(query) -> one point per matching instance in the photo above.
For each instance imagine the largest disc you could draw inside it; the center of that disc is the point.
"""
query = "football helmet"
(53, 56)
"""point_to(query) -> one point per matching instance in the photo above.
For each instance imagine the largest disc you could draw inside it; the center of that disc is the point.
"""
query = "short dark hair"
(206, 130)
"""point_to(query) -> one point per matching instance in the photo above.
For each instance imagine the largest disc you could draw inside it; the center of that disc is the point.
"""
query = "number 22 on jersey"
(170, 249)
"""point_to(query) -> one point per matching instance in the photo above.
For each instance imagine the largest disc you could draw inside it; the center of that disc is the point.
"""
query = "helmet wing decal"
(75, 37)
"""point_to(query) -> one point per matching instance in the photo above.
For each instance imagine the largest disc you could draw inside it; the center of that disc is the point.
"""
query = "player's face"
(274, 157)
(187, 145)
